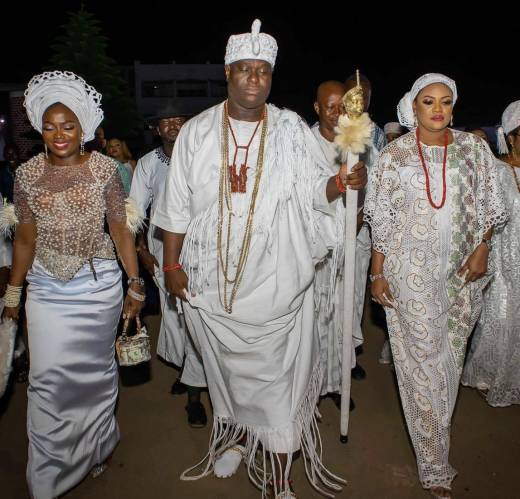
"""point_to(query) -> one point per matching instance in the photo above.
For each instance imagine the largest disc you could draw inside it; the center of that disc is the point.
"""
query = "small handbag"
(133, 350)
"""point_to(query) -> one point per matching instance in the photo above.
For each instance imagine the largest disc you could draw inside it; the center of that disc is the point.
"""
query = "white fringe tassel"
(8, 219)
(261, 463)
(134, 219)
(501, 141)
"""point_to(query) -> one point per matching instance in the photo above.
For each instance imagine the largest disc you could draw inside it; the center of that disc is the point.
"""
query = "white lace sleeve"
(491, 209)
(383, 200)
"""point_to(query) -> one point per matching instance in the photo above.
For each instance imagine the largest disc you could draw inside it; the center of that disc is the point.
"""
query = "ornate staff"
(354, 134)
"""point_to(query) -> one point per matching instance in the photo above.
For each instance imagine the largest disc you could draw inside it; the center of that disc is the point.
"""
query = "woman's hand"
(477, 264)
(132, 307)
(381, 293)
(11, 313)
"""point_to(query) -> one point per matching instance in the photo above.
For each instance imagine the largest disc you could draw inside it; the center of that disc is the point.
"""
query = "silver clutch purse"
(133, 350)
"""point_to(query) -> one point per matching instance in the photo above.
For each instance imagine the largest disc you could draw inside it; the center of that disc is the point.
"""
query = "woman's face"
(114, 148)
(61, 131)
(514, 140)
(433, 107)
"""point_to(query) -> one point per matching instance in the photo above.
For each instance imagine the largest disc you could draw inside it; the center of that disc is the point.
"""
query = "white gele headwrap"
(405, 107)
(52, 87)
(393, 127)
(254, 45)
(510, 121)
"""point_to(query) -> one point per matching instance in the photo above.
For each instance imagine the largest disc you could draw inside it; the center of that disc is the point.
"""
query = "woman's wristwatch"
(138, 280)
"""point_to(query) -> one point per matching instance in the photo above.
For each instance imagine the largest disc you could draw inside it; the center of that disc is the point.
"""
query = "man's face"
(169, 128)
(390, 137)
(100, 137)
(11, 155)
(329, 107)
(249, 82)
(480, 133)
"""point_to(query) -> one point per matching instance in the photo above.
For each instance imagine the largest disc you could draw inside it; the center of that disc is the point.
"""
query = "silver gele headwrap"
(510, 121)
(69, 89)
(254, 45)
(405, 112)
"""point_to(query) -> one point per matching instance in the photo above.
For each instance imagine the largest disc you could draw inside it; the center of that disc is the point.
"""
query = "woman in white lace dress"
(432, 207)
(493, 364)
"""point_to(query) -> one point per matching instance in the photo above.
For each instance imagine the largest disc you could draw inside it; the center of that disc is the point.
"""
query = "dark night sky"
(476, 49)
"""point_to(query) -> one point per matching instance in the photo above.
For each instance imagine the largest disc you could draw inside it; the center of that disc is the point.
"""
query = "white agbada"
(262, 360)
(173, 344)
(328, 283)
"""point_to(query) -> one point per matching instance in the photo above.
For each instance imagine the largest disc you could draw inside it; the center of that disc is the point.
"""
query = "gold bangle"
(136, 296)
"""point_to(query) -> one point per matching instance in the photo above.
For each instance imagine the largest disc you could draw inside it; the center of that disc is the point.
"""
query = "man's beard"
(170, 140)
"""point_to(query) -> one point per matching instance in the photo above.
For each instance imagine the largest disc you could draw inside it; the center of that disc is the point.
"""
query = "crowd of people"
(244, 242)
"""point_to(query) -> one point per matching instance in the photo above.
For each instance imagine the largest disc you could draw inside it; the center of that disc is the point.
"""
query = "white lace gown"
(424, 247)
(494, 358)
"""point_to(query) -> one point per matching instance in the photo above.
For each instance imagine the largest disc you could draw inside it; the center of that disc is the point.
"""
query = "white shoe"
(386, 354)
(228, 462)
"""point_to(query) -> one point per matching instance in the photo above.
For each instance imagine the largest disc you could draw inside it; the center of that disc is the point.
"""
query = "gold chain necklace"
(224, 197)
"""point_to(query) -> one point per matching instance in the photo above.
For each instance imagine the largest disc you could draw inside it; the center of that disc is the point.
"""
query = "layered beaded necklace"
(229, 180)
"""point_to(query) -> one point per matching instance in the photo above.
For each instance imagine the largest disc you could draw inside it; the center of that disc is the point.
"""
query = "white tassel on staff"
(354, 134)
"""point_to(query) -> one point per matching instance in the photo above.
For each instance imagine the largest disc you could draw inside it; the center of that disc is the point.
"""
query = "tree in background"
(81, 48)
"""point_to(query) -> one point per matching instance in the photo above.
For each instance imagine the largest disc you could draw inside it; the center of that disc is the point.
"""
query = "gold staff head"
(354, 100)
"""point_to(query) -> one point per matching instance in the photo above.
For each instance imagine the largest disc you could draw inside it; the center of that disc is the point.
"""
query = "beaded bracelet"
(13, 296)
(173, 266)
(375, 277)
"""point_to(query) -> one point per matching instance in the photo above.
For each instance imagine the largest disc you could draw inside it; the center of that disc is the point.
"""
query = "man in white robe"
(248, 204)
(174, 344)
(329, 273)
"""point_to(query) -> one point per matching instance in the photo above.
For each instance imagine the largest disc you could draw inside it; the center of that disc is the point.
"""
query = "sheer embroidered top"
(68, 204)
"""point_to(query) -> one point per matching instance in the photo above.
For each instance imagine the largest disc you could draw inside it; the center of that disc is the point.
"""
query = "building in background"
(193, 87)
